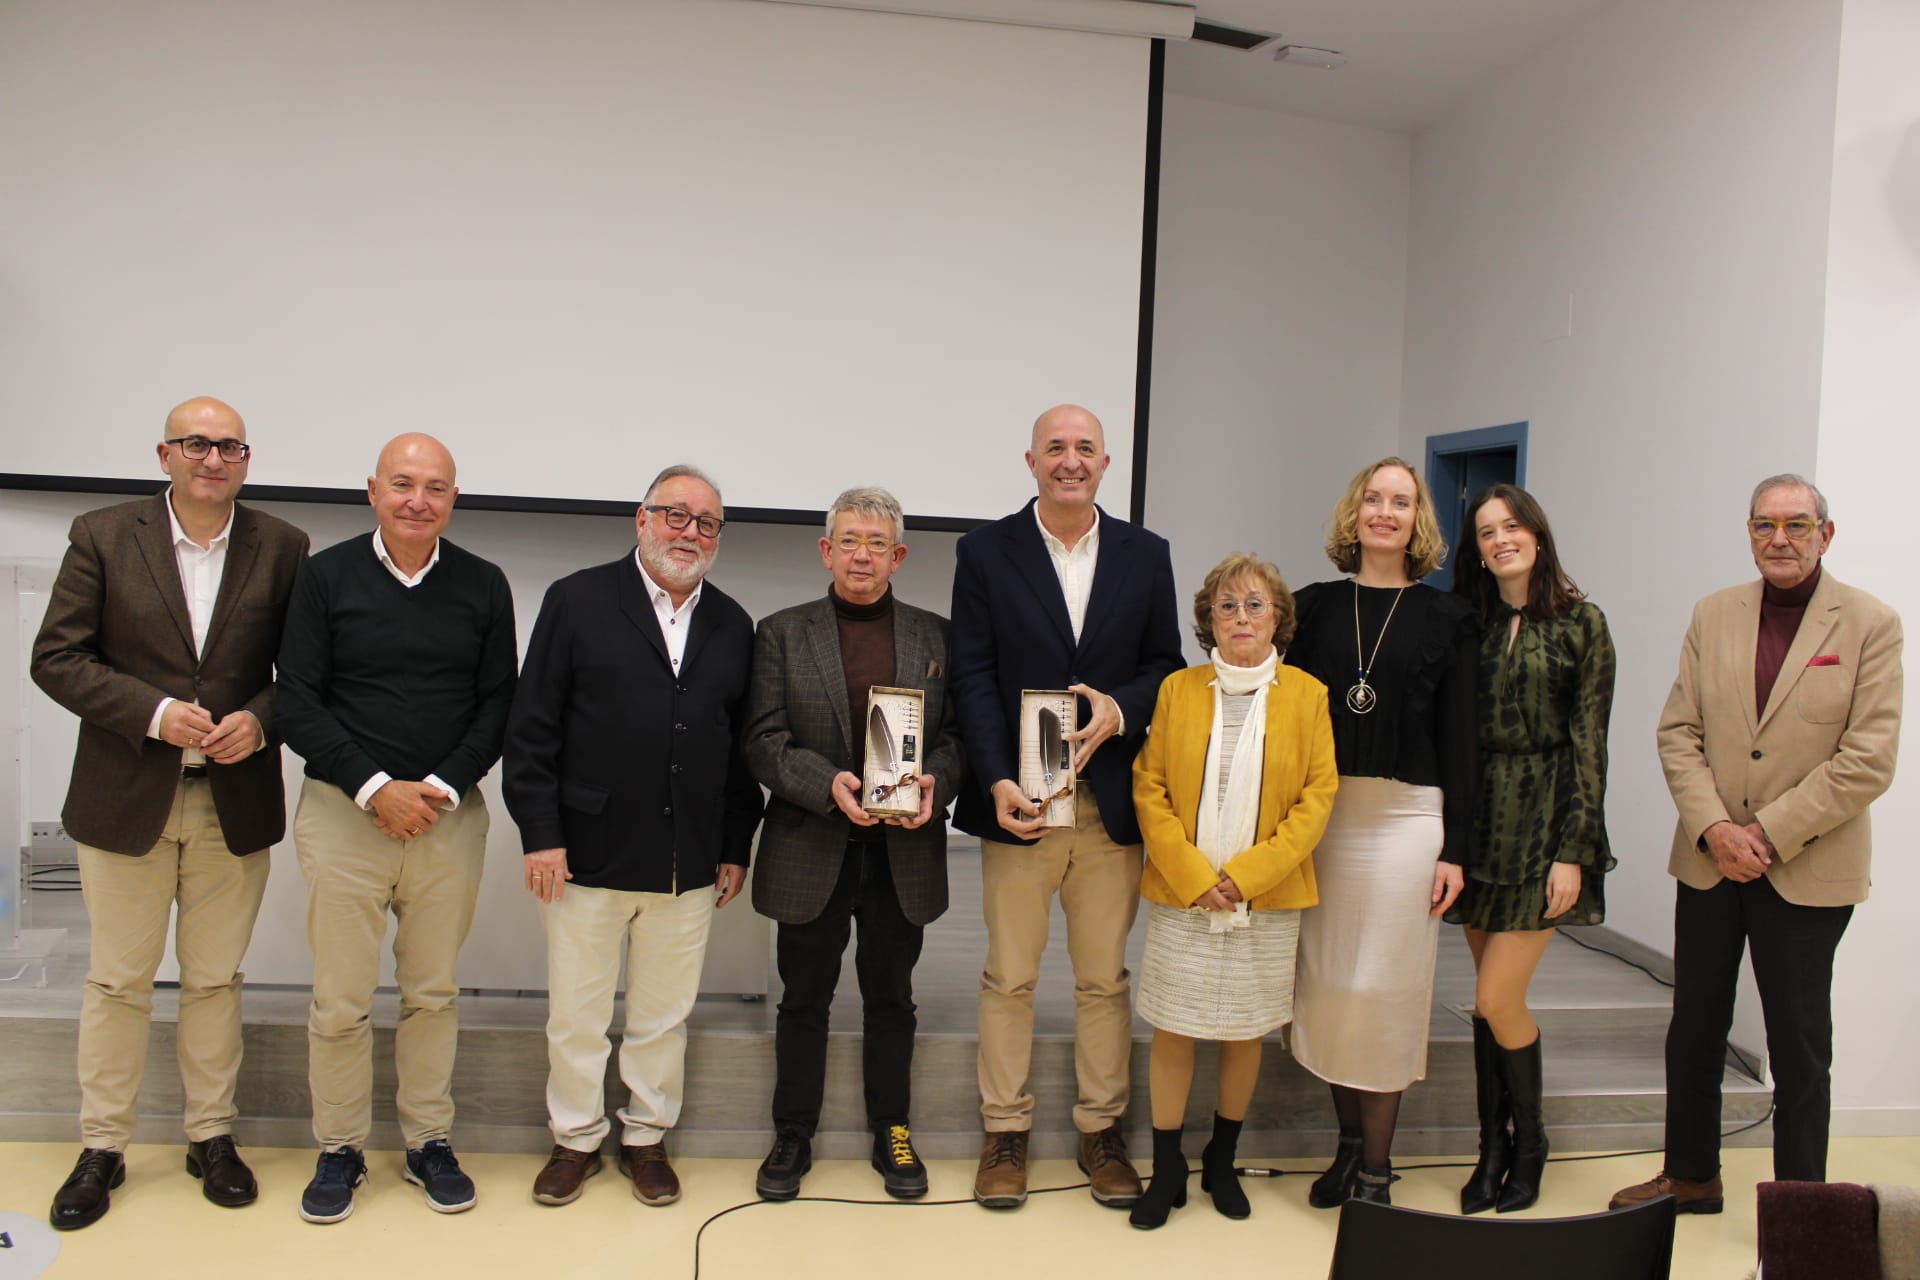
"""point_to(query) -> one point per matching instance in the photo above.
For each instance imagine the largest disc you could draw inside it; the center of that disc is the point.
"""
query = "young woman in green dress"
(1539, 828)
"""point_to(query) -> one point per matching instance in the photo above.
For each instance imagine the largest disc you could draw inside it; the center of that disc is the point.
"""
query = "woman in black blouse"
(1398, 660)
(1539, 830)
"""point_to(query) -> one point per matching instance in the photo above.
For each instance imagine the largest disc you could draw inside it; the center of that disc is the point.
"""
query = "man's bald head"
(1068, 416)
(210, 482)
(412, 493)
(414, 450)
(1068, 457)
(203, 416)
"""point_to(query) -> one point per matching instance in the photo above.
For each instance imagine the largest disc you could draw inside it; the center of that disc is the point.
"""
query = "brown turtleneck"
(866, 659)
(1781, 609)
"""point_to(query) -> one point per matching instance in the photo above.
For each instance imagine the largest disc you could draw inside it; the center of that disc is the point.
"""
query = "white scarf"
(1226, 828)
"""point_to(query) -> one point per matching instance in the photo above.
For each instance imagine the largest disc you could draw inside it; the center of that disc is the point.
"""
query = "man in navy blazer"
(1059, 595)
(636, 814)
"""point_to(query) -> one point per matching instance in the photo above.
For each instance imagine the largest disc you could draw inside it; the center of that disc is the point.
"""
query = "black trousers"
(809, 957)
(1792, 948)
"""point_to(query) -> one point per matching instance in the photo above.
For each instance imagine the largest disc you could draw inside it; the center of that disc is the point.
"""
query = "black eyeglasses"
(679, 518)
(198, 447)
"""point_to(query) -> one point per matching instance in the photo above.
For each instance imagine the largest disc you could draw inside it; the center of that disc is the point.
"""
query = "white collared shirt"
(400, 575)
(673, 622)
(1074, 567)
(201, 569)
(364, 796)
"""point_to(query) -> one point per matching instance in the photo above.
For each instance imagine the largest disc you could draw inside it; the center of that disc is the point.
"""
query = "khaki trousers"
(1099, 886)
(355, 875)
(666, 941)
(129, 901)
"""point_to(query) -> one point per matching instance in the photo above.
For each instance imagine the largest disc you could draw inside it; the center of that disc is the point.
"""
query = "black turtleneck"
(866, 659)
(1781, 609)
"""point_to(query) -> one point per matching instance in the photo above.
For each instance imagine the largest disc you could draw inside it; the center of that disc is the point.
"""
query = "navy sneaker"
(329, 1197)
(434, 1167)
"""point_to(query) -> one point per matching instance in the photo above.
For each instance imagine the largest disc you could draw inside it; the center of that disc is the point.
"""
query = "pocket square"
(1824, 660)
(933, 668)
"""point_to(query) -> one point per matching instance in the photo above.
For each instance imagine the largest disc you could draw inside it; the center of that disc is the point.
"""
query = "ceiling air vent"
(1232, 37)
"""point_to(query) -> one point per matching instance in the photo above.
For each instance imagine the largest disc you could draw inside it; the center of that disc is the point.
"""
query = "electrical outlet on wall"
(46, 834)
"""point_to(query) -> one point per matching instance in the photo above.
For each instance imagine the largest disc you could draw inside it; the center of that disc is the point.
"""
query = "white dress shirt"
(1074, 567)
(201, 569)
(673, 622)
(364, 796)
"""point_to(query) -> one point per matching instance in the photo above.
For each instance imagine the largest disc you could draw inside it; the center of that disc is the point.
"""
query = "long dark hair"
(1550, 591)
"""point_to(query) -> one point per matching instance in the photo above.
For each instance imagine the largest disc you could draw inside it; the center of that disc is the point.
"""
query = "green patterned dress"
(1544, 704)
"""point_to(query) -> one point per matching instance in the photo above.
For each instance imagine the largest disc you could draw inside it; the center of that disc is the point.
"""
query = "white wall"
(1277, 332)
(1867, 455)
(1666, 167)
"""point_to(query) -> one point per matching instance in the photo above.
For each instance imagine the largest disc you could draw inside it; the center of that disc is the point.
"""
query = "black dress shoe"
(224, 1176)
(82, 1199)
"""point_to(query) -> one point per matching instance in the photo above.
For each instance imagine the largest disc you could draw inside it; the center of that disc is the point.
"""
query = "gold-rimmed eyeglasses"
(847, 544)
(1232, 608)
(1798, 530)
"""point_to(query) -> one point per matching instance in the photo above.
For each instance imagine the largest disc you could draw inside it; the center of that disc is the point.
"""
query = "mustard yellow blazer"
(1296, 793)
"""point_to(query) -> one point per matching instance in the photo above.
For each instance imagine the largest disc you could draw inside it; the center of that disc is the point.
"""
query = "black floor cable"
(1250, 1171)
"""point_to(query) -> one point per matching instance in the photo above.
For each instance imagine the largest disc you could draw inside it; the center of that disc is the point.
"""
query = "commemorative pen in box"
(1047, 716)
(890, 785)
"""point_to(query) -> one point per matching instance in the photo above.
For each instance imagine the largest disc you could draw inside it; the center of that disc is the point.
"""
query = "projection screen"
(578, 240)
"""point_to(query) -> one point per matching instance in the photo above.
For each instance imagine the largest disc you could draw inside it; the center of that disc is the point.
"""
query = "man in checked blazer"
(160, 635)
(1780, 731)
(825, 863)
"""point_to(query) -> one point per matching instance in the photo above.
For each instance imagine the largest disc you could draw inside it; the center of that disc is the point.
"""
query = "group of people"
(1353, 763)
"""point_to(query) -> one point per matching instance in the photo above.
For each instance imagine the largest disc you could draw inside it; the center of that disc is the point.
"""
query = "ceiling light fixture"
(1307, 56)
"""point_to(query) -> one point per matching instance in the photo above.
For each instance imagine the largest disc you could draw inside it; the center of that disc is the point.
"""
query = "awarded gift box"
(896, 752)
(1046, 757)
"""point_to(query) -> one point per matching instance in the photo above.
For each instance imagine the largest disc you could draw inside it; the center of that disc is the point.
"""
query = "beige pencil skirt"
(1363, 987)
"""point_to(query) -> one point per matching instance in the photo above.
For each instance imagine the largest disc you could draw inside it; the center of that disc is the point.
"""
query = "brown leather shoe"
(1688, 1195)
(1103, 1158)
(565, 1175)
(654, 1182)
(1001, 1181)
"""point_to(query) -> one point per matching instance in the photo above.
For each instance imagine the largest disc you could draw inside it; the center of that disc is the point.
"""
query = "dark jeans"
(1792, 950)
(809, 957)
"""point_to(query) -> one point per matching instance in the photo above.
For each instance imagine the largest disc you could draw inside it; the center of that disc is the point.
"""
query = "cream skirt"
(1363, 997)
(1235, 985)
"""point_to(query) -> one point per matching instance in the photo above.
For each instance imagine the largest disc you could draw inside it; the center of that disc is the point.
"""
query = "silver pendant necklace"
(1361, 698)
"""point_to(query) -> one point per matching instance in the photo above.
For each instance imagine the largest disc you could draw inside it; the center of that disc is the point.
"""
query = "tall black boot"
(1331, 1189)
(1168, 1190)
(1521, 1068)
(1217, 1176)
(1482, 1191)
(1372, 1185)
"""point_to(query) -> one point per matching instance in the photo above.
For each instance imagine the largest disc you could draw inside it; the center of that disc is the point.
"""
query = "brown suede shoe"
(654, 1182)
(1001, 1182)
(1103, 1158)
(1688, 1196)
(565, 1175)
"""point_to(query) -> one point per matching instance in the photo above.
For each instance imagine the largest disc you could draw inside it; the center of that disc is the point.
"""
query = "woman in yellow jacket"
(1233, 789)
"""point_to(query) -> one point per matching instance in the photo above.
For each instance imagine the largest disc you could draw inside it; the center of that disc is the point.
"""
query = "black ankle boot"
(1482, 1191)
(1331, 1189)
(1372, 1185)
(1217, 1176)
(1521, 1068)
(1168, 1190)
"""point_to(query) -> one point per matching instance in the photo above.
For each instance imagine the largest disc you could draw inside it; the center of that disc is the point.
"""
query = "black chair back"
(1382, 1242)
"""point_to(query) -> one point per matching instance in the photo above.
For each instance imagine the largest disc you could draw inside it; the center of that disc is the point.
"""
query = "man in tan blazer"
(1779, 733)
(160, 634)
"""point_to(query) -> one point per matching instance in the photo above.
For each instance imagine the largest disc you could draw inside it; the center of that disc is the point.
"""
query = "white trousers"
(666, 938)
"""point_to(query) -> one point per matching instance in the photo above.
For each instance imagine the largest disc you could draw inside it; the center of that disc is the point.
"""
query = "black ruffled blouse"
(1423, 729)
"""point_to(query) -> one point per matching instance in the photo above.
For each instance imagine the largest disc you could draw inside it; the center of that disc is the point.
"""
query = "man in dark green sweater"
(396, 674)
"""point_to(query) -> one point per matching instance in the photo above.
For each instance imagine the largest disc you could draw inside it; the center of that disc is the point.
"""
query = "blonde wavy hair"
(1426, 550)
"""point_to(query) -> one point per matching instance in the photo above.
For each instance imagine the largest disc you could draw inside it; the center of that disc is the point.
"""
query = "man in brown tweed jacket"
(160, 635)
(825, 863)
